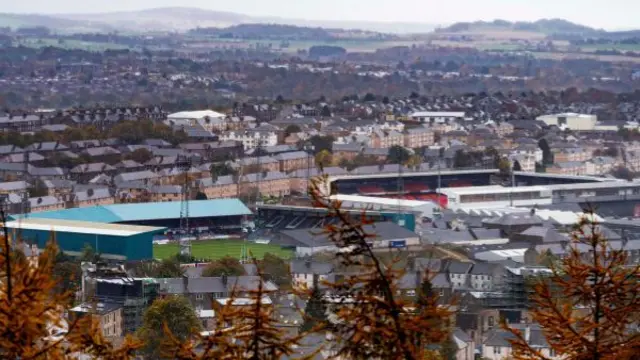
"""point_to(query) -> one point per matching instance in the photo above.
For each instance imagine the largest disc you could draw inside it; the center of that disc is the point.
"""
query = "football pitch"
(216, 249)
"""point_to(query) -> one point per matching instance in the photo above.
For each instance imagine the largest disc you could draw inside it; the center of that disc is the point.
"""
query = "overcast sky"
(610, 14)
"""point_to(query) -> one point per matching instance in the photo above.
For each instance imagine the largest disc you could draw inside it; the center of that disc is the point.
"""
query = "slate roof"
(14, 185)
(98, 167)
(382, 230)
(303, 266)
(134, 176)
(458, 267)
(204, 285)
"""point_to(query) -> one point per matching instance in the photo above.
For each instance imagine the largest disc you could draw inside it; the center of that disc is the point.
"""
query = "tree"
(221, 169)
(398, 155)
(226, 266)
(89, 254)
(141, 156)
(547, 155)
(167, 268)
(315, 312)
(173, 313)
(369, 97)
(322, 143)
(33, 312)
(374, 322)
(323, 159)
(516, 166)
(275, 269)
(504, 165)
(589, 304)
(385, 100)
(68, 275)
(201, 196)
(291, 129)
(326, 111)
(38, 189)
(461, 159)
(622, 172)
(241, 332)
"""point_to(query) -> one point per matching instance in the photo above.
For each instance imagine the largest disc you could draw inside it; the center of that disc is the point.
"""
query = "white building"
(527, 162)
(496, 196)
(208, 119)
(439, 117)
(571, 121)
(251, 139)
(497, 347)
(459, 274)
(304, 271)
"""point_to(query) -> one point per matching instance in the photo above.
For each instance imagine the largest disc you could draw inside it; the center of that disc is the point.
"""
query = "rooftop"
(80, 227)
(148, 211)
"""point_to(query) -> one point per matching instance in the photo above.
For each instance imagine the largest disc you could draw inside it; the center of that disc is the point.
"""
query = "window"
(199, 296)
(497, 350)
(490, 321)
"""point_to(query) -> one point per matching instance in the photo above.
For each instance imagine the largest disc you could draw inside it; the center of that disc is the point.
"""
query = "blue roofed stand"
(112, 241)
(140, 212)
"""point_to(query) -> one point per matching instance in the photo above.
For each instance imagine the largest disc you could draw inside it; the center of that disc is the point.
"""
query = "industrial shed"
(112, 241)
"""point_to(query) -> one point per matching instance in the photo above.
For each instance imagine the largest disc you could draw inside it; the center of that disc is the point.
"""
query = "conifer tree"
(589, 305)
(315, 313)
(370, 320)
(241, 332)
(32, 312)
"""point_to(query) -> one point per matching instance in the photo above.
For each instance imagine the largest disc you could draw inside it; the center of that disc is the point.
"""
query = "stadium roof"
(148, 211)
(81, 227)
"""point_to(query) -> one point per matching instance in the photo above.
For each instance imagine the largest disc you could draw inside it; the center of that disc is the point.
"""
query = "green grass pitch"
(216, 249)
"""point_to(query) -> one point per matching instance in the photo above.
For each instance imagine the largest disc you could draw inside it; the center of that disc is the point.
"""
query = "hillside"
(163, 19)
(287, 32)
(543, 26)
(187, 18)
(51, 22)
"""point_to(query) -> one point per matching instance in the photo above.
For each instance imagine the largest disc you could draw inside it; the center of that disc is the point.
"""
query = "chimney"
(527, 333)
(225, 280)
(307, 264)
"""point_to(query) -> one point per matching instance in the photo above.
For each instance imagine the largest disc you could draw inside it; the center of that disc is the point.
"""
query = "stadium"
(127, 231)
(135, 231)
(482, 189)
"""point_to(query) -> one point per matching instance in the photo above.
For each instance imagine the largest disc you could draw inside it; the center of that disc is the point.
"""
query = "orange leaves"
(32, 313)
(370, 319)
(588, 305)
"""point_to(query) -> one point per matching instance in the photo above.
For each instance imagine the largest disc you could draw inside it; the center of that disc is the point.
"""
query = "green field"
(215, 249)
(70, 44)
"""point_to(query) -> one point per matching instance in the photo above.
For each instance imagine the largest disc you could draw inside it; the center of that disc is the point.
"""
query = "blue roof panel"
(148, 211)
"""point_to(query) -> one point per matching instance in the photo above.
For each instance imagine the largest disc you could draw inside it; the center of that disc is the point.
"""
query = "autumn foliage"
(32, 313)
(590, 304)
(371, 320)
(246, 328)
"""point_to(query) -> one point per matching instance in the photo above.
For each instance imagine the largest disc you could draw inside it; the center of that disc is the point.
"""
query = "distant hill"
(187, 18)
(544, 26)
(163, 19)
(288, 32)
(31, 20)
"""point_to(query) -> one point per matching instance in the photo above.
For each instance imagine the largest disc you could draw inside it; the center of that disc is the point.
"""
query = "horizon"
(620, 15)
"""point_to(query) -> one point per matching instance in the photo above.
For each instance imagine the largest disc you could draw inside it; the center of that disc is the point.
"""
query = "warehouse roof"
(148, 211)
(80, 227)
